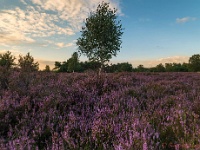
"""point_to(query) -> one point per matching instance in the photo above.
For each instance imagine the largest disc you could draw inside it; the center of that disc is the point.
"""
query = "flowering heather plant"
(147, 111)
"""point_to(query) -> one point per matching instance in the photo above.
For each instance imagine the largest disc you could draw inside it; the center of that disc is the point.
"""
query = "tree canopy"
(26, 63)
(47, 68)
(101, 35)
(194, 62)
(73, 62)
(7, 60)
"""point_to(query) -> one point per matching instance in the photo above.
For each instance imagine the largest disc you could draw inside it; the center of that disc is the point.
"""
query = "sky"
(155, 31)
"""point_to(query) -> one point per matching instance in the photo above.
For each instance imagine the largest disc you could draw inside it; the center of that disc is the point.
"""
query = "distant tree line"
(73, 64)
(168, 67)
(192, 66)
(100, 40)
(27, 64)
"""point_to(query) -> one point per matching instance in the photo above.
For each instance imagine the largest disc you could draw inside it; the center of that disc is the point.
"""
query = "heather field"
(131, 111)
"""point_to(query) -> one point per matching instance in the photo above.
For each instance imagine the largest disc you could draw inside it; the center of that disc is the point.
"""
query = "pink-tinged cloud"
(154, 62)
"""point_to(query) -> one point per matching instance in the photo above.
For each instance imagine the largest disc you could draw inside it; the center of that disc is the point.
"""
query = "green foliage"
(101, 36)
(169, 67)
(71, 65)
(73, 62)
(60, 67)
(6, 63)
(89, 65)
(176, 67)
(194, 63)
(7, 60)
(27, 63)
(64, 67)
(57, 65)
(119, 67)
(160, 68)
(47, 68)
(141, 68)
(185, 67)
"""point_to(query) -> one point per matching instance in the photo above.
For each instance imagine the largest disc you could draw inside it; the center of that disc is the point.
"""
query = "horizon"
(155, 32)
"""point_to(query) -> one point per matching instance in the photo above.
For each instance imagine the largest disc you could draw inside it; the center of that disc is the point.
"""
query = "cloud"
(185, 19)
(23, 2)
(43, 63)
(2, 51)
(74, 11)
(14, 52)
(153, 63)
(69, 44)
(175, 59)
(14, 38)
(22, 26)
(46, 18)
(62, 45)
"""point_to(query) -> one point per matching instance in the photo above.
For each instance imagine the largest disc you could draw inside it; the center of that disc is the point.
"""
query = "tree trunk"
(100, 69)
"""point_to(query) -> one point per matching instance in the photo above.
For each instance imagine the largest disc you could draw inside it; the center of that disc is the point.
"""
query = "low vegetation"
(149, 110)
(40, 110)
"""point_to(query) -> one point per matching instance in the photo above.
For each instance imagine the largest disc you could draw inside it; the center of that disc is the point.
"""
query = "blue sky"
(156, 31)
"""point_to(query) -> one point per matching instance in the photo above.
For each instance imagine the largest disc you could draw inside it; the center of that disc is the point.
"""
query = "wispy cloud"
(73, 11)
(175, 59)
(45, 18)
(43, 63)
(185, 19)
(62, 45)
(14, 38)
(22, 26)
(2, 51)
(14, 52)
(23, 1)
